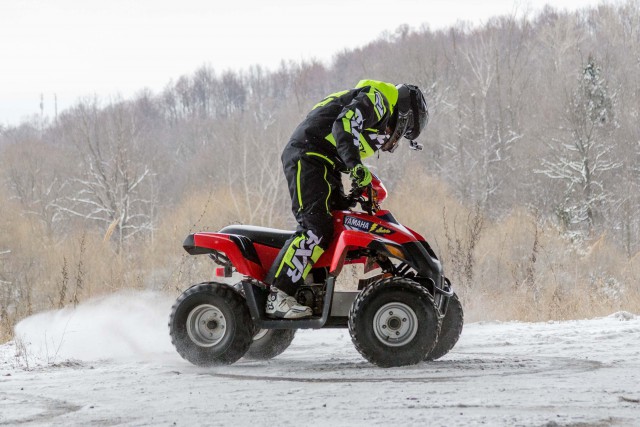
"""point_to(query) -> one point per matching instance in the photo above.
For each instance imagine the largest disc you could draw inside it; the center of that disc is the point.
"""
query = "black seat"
(263, 235)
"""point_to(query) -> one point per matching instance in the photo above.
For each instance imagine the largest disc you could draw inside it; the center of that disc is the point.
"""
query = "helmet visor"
(402, 124)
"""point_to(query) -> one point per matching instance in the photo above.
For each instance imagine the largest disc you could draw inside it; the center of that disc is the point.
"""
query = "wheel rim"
(206, 325)
(395, 324)
(261, 334)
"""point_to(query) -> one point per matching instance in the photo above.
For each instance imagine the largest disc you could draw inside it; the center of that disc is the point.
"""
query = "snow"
(110, 362)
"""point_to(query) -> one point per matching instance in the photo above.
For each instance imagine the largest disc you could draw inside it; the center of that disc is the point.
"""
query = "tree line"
(536, 112)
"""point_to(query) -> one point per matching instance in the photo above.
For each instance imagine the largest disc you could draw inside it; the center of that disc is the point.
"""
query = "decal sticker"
(356, 126)
(379, 105)
(301, 256)
(379, 139)
(353, 223)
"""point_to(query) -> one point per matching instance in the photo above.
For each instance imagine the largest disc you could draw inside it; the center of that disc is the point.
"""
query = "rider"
(339, 131)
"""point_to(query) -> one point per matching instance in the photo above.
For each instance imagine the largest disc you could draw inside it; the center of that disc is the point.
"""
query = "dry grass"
(517, 268)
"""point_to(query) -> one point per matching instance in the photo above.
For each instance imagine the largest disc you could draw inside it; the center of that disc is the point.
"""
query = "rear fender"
(238, 249)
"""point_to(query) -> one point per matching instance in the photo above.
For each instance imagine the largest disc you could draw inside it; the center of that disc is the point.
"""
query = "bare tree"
(114, 187)
(256, 178)
(33, 173)
(231, 94)
(484, 135)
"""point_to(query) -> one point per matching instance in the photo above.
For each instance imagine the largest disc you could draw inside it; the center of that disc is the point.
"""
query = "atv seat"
(263, 235)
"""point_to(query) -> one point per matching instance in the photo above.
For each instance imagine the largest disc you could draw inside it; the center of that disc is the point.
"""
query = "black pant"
(314, 187)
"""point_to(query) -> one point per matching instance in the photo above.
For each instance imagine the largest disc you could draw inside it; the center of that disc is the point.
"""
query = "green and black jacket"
(347, 126)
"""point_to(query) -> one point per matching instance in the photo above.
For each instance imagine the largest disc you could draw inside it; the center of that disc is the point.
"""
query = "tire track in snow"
(439, 371)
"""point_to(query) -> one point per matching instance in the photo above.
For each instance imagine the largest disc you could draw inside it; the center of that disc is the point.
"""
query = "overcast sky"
(108, 48)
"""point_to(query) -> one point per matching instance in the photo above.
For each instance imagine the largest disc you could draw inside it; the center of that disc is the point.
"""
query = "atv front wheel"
(210, 325)
(269, 343)
(450, 330)
(394, 322)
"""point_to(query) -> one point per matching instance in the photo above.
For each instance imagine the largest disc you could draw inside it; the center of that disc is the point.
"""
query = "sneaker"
(283, 306)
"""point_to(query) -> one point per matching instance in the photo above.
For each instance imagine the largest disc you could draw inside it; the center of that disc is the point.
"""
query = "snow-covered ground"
(110, 362)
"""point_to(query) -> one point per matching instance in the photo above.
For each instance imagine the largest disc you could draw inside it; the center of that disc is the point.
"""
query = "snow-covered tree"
(583, 155)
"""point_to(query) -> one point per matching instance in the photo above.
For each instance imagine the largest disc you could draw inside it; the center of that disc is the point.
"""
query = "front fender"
(351, 239)
(413, 253)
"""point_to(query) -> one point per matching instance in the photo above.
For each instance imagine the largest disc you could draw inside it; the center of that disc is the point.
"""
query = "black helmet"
(410, 117)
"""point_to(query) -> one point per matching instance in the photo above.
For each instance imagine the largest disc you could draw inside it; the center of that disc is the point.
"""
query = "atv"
(403, 313)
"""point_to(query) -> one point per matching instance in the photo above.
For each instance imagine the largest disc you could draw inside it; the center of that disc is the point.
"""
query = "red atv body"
(404, 314)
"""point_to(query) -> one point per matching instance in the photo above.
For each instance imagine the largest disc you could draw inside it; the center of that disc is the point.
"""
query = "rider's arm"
(365, 111)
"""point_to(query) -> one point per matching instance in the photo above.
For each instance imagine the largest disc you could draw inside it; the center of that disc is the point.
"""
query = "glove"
(360, 175)
(340, 202)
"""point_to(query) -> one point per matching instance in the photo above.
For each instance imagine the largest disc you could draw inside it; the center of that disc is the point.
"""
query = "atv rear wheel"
(394, 322)
(269, 343)
(210, 325)
(450, 330)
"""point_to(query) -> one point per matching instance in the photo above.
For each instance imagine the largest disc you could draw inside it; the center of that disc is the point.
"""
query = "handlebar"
(369, 196)
(364, 196)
